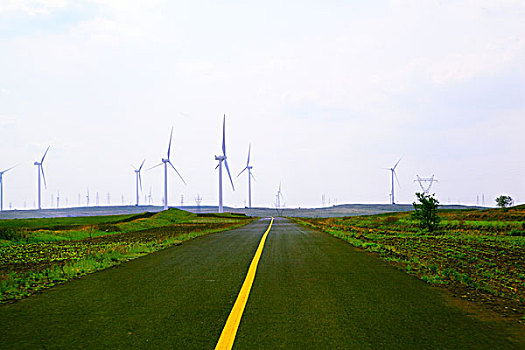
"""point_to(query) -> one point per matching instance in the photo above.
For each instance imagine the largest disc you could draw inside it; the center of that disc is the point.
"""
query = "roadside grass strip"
(234, 319)
(32, 264)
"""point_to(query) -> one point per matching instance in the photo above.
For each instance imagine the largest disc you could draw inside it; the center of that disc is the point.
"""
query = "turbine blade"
(249, 149)
(140, 182)
(169, 146)
(45, 154)
(6, 170)
(140, 167)
(153, 167)
(43, 176)
(397, 163)
(177, 172)
(395, 175)
(228, 170)
(217, 166)
(224, 136)
(253, 177)
(242, 171)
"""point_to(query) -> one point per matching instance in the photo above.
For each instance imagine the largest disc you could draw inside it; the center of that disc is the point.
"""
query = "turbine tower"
(250, 175)
(138, 180)
(393, 171)
(2, 187)
(223, 159)
(40, 170)
(167, 161)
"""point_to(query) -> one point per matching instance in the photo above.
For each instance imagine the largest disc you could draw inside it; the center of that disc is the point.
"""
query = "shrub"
(426, 211)
(504, 201)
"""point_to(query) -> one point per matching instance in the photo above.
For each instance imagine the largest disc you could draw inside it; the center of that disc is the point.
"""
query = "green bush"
(426, 211)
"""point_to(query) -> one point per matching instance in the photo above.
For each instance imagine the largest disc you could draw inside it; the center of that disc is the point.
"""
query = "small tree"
(504, 201)
(426, 211)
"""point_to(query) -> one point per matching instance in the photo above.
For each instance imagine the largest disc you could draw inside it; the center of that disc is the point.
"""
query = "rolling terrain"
(333, 211)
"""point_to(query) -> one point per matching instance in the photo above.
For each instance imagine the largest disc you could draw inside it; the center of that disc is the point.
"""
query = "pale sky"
(327, 92)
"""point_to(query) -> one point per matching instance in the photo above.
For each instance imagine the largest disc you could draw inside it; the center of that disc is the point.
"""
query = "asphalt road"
(311, 291)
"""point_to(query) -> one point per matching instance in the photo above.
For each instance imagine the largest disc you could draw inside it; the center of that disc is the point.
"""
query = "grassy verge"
(478, 255)
(34, 257)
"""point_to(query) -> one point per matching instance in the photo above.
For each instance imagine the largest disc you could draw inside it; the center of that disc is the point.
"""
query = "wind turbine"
(223, 159)
(250, 175)
(167, 161)
(2, 187)
(278, 198)
(393, 171)
(40, 169)
(138, 180)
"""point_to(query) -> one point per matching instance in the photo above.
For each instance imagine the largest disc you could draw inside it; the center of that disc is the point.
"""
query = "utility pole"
(425, 183)
(198, 200)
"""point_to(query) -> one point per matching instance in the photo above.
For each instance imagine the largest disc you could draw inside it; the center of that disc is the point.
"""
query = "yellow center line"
(234, 319)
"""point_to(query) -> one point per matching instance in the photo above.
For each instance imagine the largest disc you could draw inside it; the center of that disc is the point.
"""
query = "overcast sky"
(328, 93)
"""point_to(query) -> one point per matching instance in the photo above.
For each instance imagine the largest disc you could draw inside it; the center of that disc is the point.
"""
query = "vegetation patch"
(477, 254)
(35, 257)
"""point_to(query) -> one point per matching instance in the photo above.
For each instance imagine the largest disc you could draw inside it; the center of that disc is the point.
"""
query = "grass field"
(476, 254)
(39, 253)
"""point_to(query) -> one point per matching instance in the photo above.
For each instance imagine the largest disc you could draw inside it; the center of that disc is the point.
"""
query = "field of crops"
(38, 253)
(477, 254)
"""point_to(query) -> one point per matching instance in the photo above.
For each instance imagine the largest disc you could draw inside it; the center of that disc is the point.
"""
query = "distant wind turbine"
(40, 170)
(278, 197)
(250, 175)
(394, 174)
(223, 159)
(138, 180)
(167, 161)
(2, 187)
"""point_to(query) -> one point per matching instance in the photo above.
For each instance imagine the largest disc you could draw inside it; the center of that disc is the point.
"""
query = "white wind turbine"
(138, 180)
(278, 197)
(167, 161)
(40, 170)
(394, 174)
(250, 175)
(223, 159)
(2, 186)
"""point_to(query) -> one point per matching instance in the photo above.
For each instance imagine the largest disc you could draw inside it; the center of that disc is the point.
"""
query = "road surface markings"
(234, 319)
